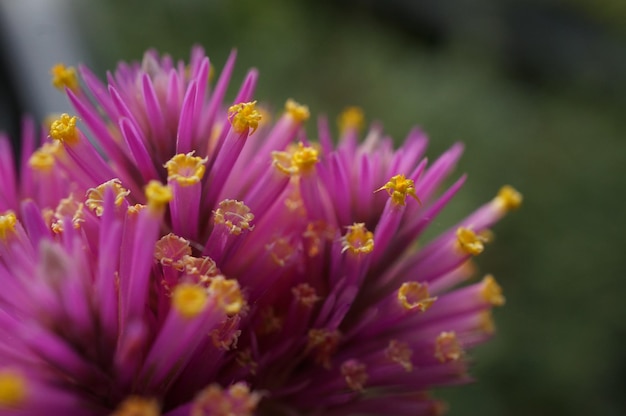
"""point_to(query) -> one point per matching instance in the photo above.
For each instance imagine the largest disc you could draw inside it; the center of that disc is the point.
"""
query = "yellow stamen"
(68, 207)
(415, 296)
(244, 116)
(469, 241)
(398, 188)
(43, 159)
(351, 118)
(7, 224)
(13, 388)
(64, 77)
(227, 294)
(170, 251)
(355, 374)
(491, 291)
(298, 112)
(238, 400)
(447, 347)
(281, 251)
(315, 235)
(158, 195)
(400, 352)
(325, 343)
(295, 161)
(64, 130)
(137, 406)
(235, 215)
(305, 295)
(358, 240)
(203, 268)
(186, 169)
(225, 337)
(95, 196)
(485, 322)
(508, 198)
(189, 300)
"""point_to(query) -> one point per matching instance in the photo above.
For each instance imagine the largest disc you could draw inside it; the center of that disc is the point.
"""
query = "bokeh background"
(535, 89)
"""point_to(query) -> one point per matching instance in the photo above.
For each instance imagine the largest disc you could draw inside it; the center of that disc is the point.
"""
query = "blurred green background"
(536, 90)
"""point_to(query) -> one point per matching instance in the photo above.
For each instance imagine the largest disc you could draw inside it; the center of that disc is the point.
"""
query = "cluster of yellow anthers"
(298, 112)
(64, 77)
(64, 130)
(244, 116)
(470, 242)
(7, 224)
(43, 159)
(414, 295)
(95, 196)
(13, 388)
(191, 299)
(186, 169)
(234, 215)
(351, 118)
(447, 347)
(398, 188)
(358, 240)
(296, 160)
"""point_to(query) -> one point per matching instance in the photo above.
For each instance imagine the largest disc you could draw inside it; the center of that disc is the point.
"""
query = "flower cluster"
(164, 253)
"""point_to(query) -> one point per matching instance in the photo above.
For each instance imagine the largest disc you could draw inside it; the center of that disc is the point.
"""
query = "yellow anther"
(234, 215)
(491, 291)
(315, 235)
(189, 300)
(157, 194)
(415, 296)
(238, 400)
(298, 112)
(64, 77)
(305, 158)
(225, 337)
(170, 251)
(305, 295)
(469, 241)
(281, 251)
(7, 224)
(203, 268)
(398, 188)
(400, 352)
(447, 347)
(68, 208)
(186, 169)
(227, 294)
(351, 118)
(485, 322)
(95, 196)
(137, 406)
(43, 158)
(64, 130)
(244, 116)
(508, 198)
(324, 342)
(355, 374)
(135, 209)
(294, 161)
(358, 240)
(13, 389)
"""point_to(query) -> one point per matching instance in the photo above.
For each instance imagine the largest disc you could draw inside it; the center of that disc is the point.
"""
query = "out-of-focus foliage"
(537, 92)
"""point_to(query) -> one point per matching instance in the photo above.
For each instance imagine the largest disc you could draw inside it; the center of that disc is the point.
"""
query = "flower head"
(175, 267)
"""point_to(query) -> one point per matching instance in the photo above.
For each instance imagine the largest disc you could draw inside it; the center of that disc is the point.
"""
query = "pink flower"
(182, 257)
